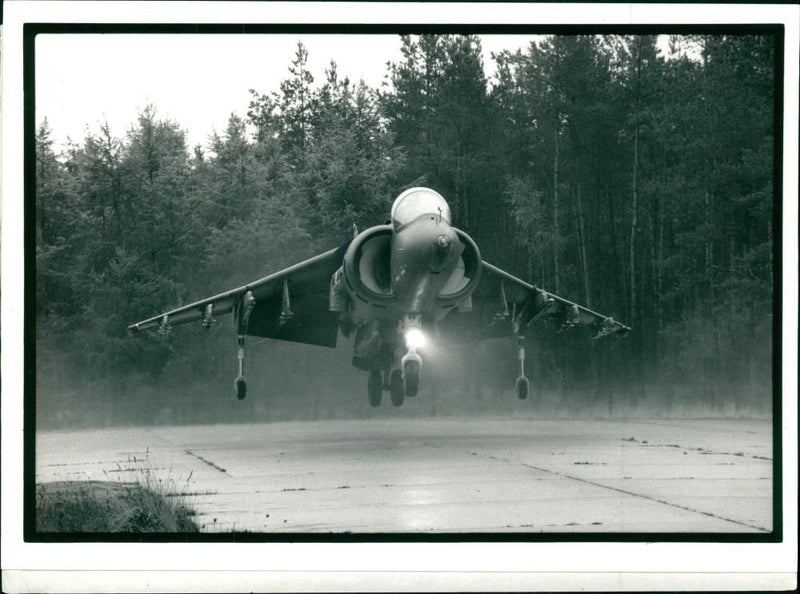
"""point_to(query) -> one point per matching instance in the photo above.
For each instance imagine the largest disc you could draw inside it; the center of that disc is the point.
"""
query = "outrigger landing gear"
(522, 384)
(243, 313)
(240, 384)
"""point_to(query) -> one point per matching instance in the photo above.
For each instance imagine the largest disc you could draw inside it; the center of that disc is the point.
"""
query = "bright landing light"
(415, 338)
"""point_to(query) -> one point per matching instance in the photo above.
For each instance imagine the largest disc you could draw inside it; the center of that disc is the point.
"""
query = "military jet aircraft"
(392, 287)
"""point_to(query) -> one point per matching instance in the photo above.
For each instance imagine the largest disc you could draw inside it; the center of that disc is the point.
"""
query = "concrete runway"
(442, 475)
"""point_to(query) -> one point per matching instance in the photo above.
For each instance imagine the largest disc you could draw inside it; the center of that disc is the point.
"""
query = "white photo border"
(380, 566)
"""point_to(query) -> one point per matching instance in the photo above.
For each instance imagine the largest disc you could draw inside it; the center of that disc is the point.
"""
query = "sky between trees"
(85, 80)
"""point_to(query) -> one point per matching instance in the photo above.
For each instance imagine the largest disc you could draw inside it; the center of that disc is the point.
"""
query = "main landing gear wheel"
(522, 387)
(411, 377)
(375, 387)
(396, 388)
(240, 385)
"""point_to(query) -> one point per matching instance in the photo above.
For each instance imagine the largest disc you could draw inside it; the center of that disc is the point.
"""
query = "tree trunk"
(636, 343)
(634, 225)
(556, 230)
(582, 249)
(711, 333)
(42, 207)
(659, 268)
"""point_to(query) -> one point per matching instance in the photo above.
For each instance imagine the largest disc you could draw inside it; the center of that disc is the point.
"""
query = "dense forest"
(632, 178)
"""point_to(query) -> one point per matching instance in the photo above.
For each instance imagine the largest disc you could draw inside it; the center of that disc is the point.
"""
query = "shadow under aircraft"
(392, 288)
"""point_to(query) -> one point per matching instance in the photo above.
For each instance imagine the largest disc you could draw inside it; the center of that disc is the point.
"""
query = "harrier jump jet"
(392, 287)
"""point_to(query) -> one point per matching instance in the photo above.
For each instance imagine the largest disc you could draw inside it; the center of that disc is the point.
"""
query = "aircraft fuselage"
(417, 265)
(425, 253)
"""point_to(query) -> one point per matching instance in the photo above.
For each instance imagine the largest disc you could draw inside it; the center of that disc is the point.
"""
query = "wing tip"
(610, 326)
(622, 331)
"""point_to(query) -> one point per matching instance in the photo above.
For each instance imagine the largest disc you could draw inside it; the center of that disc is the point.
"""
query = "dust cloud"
(295, 382)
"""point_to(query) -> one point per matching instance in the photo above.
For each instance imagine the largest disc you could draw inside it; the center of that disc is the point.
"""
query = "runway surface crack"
(207, 462)
(610, 488)
(702, 451)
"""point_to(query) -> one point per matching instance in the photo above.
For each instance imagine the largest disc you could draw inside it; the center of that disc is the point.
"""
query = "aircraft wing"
(503, 304)
(291, 304)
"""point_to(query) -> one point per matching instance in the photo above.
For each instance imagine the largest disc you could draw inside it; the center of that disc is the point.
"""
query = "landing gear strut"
(399, 370)
(411, 363)
(245, 309)
(400, 382)
(240, 384)
(522, 384)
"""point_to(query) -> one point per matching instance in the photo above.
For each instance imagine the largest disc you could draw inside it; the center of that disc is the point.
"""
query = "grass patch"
(147, 505)
(106, 506)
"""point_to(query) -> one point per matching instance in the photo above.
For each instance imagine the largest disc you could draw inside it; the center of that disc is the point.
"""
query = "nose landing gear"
(410, 365)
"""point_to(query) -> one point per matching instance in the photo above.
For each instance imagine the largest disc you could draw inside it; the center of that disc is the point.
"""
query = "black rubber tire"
(375, 387)
(396, 387)
(523, 387)
(240, 384)
(411, 378)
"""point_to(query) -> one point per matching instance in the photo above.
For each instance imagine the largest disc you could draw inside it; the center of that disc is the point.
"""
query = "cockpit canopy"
(415, 202)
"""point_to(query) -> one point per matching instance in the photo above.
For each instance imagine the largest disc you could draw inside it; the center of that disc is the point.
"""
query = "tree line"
(635, 180)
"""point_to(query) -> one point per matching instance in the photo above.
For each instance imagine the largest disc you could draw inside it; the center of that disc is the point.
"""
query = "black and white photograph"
(404, 282)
